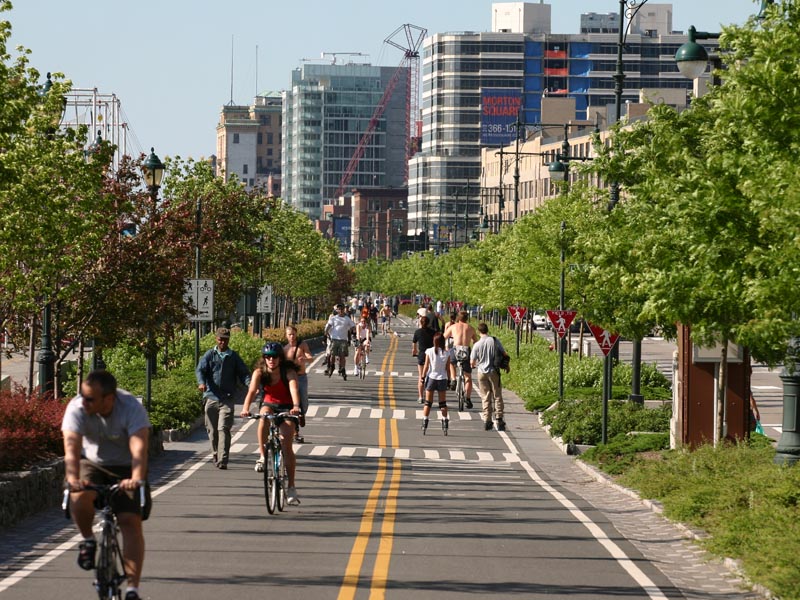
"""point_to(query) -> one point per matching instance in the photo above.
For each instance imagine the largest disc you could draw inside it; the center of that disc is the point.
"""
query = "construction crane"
(414, 36)
(335, 54)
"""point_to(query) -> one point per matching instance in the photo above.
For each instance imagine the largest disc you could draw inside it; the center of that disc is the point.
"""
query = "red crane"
(414, 36)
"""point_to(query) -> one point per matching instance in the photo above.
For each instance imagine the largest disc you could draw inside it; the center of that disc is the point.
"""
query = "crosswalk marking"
(378, 373)
(364, 412)
(465, 457)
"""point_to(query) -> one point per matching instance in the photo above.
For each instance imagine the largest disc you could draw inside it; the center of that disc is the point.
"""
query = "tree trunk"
(722, 388)
(81, 361)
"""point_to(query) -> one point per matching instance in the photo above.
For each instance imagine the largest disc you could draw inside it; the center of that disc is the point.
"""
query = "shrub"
(30, 431)
(580, 421)
(622, 451)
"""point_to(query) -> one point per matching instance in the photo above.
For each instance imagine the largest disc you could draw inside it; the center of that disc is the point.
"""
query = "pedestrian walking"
(219, 373)
(486, 359)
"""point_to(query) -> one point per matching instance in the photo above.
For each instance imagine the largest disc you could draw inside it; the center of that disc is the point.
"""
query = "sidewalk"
(670, 546)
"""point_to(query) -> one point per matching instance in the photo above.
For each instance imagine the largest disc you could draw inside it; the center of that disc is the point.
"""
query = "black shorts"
(436, 385)
(121, 502)
(282, 408)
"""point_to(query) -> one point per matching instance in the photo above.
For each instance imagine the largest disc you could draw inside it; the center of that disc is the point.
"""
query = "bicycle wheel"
(362, 366)
(280, 477)
(110, 571)
(270, 485)
(461, 392)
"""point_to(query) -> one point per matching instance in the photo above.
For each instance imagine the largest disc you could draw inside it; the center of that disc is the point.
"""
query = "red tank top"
(277, 393)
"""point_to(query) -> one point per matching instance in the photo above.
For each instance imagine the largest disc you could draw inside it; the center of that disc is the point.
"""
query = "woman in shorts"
(277, 378)
(434, 377)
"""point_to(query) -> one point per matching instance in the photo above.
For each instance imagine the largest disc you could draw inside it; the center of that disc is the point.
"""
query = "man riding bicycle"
(106, 432)
(463, 335)
(364, 340)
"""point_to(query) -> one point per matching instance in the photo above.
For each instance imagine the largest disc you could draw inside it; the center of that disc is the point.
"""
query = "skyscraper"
(325, 113)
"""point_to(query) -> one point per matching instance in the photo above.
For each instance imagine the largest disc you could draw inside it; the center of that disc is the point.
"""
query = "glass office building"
(325, 113)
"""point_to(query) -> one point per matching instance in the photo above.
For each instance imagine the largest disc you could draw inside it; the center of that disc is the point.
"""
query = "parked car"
(540, 320)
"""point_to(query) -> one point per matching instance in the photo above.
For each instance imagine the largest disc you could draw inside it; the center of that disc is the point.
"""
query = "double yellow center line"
(380, 571)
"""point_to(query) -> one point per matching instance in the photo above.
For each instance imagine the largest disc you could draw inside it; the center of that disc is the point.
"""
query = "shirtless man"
(463, 335)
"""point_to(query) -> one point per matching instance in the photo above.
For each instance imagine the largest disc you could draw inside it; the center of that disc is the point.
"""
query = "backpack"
(501, 359)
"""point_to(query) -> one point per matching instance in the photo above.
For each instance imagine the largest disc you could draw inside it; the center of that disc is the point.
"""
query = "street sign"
(561, 320)
(517, 313)
(605, 339)
(264, 305)
(199, 294)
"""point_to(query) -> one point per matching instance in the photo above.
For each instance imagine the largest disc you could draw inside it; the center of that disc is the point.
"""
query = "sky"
(169, 61)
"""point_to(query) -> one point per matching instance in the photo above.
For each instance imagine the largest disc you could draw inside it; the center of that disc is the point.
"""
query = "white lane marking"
(394, 374)
(333, 412)
(628, 565)
(464, 416)
(235, 448)
(376, 413)
(431, 454)
(399, 414)
(318, 450)
(485, 456)
(312, 410)
(347, 451)
(457, 455)
(374, 452)
(354, 413)
(402, 453)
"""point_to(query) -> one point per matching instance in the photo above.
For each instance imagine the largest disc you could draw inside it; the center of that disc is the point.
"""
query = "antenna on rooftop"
(256, 70)
(230, 103)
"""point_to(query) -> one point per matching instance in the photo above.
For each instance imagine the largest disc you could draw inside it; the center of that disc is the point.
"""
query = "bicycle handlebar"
(273, 417)
(105, 490)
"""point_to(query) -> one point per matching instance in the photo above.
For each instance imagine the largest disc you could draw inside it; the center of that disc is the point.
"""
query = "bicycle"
(109, 569)
(275, 477)
(361, 364)
(461, 390)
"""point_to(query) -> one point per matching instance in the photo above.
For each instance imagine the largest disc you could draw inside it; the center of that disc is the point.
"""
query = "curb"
(658, 508)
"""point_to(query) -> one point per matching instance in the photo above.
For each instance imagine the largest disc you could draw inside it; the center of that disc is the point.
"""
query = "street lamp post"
(561, 340)
(47, 357)
(153, 170)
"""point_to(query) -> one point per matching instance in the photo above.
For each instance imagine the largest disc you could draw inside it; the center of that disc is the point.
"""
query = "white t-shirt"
(438, 363)
(338, 326)
(106, 439)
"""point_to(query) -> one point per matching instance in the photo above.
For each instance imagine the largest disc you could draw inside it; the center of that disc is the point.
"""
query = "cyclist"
(339, 327)
(373, 318)
(364, 337)
(463, 335)
(106, 433)
(299, 353)
(277, 377)
(386, 318)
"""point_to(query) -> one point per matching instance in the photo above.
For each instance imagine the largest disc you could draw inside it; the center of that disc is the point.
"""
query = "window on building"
(269, 138)
(260, 138)
(244, 169)
(235, 138)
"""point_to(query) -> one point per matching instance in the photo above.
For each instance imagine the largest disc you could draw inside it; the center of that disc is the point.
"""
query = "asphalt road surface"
(385, 512)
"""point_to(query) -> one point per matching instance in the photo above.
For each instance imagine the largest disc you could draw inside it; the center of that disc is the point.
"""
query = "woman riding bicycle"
(277, 378)
(364, 337)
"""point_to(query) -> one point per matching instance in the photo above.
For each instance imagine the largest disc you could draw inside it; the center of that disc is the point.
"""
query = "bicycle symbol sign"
(199, 296)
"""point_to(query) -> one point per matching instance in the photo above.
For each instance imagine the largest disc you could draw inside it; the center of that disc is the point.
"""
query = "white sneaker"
(366, 360)
(355, 371)
(291, 497)
(259, 468)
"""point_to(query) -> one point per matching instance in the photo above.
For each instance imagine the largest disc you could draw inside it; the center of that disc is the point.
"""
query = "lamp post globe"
(557, 170)
(153, 170)
(691, 57)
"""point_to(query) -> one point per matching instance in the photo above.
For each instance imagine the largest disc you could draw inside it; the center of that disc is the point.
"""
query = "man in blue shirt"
(219, 373)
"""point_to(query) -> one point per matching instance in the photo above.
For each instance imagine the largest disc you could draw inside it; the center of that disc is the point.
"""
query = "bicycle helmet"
(272, 349)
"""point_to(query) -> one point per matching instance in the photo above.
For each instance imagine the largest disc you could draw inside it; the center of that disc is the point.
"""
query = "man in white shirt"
(339, 327)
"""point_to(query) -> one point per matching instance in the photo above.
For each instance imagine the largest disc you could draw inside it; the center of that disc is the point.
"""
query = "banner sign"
(499, 110)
